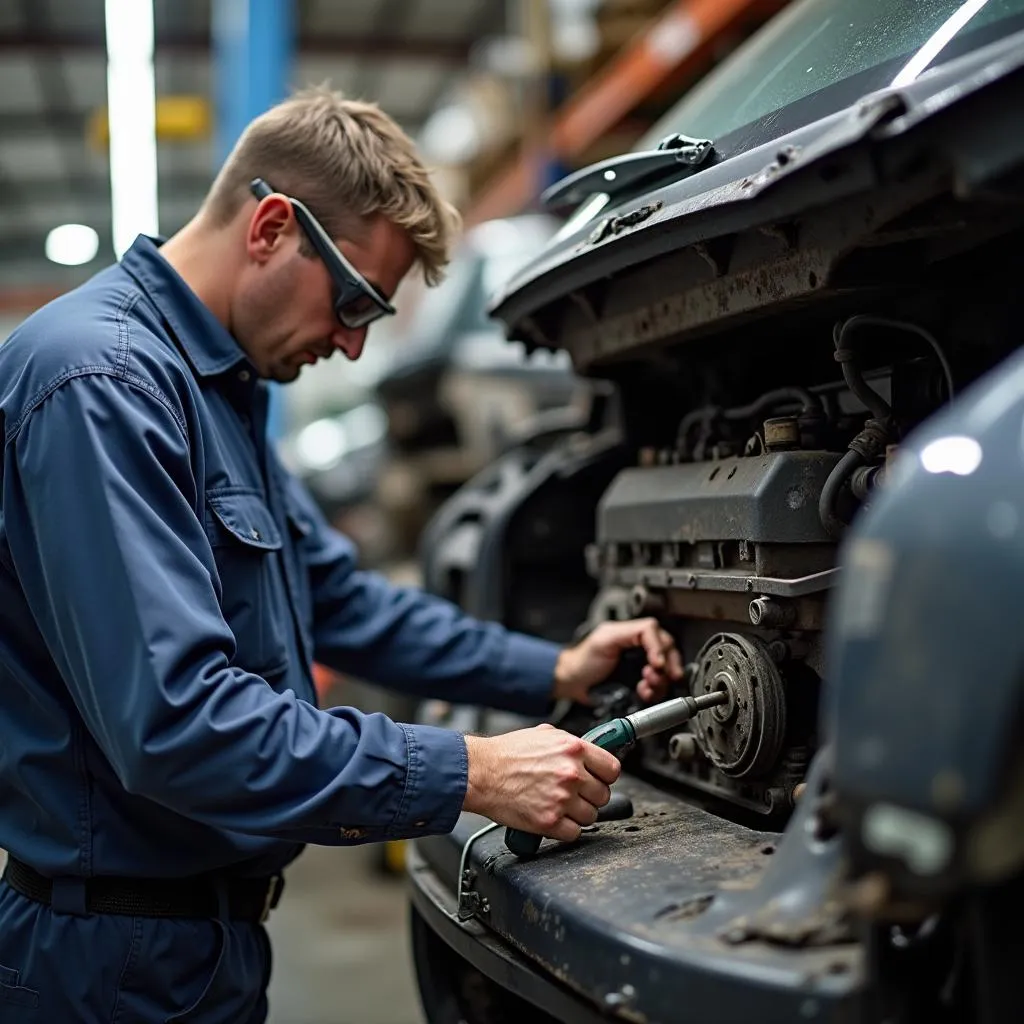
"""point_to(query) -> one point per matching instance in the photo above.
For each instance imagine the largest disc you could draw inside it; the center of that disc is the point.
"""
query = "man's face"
(283, 315)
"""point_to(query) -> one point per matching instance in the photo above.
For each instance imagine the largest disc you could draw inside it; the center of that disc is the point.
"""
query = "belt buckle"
(270, 900)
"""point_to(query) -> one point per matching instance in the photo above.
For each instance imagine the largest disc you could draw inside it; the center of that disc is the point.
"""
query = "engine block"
(731, 556)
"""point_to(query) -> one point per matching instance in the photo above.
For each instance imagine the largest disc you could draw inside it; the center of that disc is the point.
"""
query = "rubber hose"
(875, 403)
(808, 402)
(686, 424)
(855, 381)
(844, 469)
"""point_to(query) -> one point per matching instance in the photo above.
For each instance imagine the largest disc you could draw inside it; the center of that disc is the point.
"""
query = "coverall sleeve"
(99, 500)
(411, 641)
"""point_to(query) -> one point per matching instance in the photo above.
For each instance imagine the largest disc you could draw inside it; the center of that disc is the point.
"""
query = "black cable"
(845, 356)
(687, 423)
(867, 320)
(809, 403)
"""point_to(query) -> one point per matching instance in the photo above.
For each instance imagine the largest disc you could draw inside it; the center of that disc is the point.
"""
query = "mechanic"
(165, 588)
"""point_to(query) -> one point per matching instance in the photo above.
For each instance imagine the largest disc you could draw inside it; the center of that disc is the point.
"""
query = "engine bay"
(730, 536)
(727, 525)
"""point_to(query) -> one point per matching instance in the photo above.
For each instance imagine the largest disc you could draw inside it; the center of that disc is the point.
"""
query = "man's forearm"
(413, 642)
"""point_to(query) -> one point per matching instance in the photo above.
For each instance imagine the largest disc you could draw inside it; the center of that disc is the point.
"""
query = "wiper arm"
(621, 173)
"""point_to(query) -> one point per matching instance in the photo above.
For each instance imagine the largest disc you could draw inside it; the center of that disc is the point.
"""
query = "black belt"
(246, 899)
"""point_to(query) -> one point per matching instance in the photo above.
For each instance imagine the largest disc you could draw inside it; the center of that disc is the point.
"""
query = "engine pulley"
(742, 737)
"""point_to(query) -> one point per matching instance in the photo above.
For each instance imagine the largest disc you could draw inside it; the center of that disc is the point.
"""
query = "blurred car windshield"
(490, 254)
(820, 56)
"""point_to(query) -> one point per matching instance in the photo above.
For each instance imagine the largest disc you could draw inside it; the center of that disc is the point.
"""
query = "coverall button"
(353, 833)
(243, 376)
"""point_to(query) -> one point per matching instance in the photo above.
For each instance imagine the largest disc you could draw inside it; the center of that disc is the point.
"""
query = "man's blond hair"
(347, 161)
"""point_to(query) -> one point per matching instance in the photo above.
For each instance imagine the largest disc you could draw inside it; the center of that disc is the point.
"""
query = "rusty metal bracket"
(616, 225)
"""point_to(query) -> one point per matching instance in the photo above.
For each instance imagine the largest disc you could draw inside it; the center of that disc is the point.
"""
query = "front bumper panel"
(673, 915)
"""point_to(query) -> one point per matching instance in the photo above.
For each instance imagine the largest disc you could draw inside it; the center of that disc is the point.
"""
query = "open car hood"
(854, 152)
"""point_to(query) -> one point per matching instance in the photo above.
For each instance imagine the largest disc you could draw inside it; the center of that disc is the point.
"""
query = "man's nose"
(350, 342)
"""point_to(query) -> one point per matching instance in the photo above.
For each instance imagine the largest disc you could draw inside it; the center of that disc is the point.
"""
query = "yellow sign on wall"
(178, 119)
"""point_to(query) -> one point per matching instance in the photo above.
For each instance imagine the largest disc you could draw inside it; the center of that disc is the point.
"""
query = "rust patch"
(687, 910)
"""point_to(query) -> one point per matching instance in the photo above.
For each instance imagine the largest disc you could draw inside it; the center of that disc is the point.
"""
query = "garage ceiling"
(401, 53)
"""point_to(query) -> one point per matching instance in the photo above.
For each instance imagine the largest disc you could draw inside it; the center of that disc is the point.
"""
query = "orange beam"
(658, 52)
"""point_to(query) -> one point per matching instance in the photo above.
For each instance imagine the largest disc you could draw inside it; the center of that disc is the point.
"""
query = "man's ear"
(270, 224)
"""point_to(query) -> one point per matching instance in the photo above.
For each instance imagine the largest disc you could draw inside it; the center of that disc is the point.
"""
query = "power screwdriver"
(618, 735)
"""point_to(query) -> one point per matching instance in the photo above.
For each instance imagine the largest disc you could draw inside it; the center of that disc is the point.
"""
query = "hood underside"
(829, 208)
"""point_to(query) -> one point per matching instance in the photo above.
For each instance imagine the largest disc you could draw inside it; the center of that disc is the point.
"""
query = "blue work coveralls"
(165, 587)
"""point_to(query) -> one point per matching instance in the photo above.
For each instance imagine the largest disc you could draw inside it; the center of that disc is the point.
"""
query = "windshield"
(822, 55)
(491, 253)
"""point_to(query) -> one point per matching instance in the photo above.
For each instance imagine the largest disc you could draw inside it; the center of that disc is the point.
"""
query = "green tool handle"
(616, 736)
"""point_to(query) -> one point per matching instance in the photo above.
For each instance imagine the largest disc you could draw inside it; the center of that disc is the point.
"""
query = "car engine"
(730, 551)
(727, 533)
(729, 537)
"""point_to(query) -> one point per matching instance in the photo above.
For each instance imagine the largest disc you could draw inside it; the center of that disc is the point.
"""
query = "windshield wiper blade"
(619, 174)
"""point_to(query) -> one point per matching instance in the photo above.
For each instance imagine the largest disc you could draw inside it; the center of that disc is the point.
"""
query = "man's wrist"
(476, 757)
(562, 685)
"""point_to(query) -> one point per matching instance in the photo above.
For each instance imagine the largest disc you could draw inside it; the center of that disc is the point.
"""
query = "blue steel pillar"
(253, 45)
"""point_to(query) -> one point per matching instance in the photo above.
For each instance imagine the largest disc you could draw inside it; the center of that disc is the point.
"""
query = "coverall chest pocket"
(246, 543)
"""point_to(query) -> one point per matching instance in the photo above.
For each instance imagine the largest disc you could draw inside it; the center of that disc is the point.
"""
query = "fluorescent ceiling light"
(131, 107)
(72, 244)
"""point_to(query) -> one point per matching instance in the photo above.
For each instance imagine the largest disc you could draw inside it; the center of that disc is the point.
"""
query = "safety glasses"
(356, 302)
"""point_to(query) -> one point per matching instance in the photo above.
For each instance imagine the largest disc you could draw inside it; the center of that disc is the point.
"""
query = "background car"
(455, 393)
(436, 395)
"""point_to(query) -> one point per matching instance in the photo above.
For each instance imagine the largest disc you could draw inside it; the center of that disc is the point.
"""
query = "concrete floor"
(341, 952)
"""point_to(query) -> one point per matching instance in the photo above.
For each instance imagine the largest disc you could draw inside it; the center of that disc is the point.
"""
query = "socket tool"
(619, 735)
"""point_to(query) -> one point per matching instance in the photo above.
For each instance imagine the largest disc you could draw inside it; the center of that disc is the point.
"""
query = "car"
(801, 266)
(436, 395)
(455, 395)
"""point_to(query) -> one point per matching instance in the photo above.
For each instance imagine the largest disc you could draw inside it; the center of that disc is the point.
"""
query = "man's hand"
(594, 659)
(540, 780)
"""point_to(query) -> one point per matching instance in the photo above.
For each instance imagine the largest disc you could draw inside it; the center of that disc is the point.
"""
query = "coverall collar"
(206, 343)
